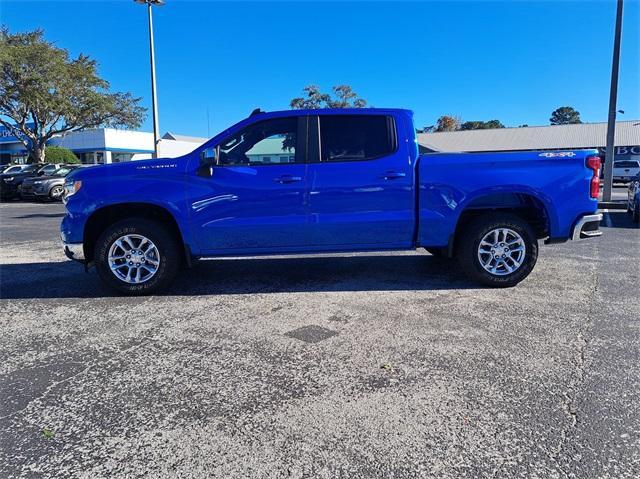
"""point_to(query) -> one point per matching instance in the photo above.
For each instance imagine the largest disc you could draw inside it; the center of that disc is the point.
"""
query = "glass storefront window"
(120, 157)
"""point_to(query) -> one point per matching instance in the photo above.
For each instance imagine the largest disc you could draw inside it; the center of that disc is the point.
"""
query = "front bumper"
(74, 251)
(32, 191)
(588, 226)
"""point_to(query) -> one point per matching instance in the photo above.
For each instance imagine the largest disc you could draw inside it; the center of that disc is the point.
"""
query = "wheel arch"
(107, 215)
(530, 207)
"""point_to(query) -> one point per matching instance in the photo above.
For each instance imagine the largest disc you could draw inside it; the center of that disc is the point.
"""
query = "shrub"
(58, 154)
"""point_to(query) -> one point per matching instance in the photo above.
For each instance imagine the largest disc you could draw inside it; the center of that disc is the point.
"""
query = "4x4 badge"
(558, 154)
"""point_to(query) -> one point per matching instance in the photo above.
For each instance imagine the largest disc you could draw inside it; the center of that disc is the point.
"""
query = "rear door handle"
(393, 175)
(285, 179)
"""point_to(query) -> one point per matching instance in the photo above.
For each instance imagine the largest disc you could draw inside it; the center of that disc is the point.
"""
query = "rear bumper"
(588, 226)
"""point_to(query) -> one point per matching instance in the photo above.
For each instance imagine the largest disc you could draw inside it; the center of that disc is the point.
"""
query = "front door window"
(263, 143)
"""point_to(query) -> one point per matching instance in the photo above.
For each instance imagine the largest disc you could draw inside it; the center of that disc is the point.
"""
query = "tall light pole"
(152, 57)
(613, 98)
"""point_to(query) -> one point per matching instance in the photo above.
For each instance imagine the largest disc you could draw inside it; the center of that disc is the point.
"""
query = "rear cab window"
(356, 137)
(626, 164)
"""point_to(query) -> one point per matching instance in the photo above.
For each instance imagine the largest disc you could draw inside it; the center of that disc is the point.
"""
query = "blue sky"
(515, 61)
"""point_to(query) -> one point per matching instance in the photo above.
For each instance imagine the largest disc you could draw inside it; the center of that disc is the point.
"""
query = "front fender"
(167, 191)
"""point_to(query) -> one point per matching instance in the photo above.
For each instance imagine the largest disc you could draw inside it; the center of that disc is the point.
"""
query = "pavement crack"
(570, 402)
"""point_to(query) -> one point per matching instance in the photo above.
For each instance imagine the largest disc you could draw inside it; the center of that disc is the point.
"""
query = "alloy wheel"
(501, 251)
(134, 259)
(57, 191)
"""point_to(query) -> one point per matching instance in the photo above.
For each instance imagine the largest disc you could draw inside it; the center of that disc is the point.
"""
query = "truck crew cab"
(313, 181)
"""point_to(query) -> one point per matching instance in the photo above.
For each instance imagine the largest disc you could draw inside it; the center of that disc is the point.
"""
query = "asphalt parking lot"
(376, 365)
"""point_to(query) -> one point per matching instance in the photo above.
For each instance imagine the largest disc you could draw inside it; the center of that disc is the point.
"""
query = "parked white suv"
(624, 170)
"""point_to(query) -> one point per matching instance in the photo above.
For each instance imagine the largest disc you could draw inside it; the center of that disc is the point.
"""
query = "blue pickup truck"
(317, 181)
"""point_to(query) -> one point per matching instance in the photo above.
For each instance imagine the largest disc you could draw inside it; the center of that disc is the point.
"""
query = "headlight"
(8, 180)
(72, 187)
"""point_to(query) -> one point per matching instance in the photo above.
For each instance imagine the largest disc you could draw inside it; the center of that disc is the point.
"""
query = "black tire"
(168, 249)
(437, 252)
(469, 240)
(636, 215)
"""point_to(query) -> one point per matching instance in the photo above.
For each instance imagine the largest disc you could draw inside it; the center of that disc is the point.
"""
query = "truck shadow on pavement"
(248, 276)
(39, 215)
(618, 219)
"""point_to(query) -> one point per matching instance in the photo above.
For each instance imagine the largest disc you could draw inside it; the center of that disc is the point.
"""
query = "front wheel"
(56, 193)
(497, 249)
(137, 256)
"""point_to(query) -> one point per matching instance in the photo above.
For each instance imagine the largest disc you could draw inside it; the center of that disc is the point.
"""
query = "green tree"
(58, 154)
(46, 93)
(343, 96)
(565, 115)
(448, 123)
(481, 125)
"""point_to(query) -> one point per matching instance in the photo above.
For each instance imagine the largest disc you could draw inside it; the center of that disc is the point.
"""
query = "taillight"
(594, 163)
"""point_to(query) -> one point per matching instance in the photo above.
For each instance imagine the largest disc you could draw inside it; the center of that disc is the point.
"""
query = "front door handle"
(393, 175)
(285, 179)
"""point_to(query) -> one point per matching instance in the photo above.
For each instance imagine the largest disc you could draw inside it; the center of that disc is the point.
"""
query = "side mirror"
(208, 159)
(40, 173)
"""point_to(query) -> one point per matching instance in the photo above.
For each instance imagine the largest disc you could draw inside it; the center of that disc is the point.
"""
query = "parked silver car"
(9, 169)
(49, 187)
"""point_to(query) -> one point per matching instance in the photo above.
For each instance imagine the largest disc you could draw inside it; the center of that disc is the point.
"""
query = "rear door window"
(356, 137)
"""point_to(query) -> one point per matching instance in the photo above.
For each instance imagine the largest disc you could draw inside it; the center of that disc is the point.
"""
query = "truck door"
(254, 198)
(361, 185)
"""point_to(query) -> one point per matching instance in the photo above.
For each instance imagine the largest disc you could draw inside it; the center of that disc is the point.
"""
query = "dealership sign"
(622, 150)
(7, 136)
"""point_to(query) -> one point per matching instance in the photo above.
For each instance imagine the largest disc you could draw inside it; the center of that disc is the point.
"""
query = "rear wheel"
(137, 256)
(497, 249)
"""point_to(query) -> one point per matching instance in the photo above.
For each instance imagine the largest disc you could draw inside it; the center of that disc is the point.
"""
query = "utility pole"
(152, 58)
(613, 98)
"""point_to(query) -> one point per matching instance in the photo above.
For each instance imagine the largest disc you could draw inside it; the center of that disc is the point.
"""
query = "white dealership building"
(104, 145)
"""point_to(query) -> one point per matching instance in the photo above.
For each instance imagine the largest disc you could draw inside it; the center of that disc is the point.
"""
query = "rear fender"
(439, 222)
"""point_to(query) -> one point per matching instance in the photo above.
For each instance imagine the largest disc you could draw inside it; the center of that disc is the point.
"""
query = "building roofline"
(534, 126)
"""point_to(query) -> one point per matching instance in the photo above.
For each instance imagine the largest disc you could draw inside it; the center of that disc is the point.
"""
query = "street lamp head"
(157, 3)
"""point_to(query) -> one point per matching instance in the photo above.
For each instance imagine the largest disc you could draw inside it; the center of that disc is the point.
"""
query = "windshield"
(65, 170)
